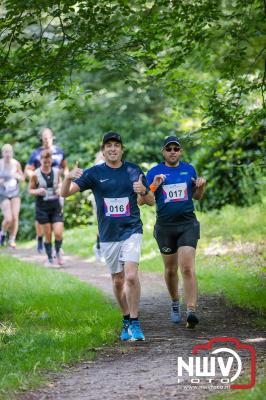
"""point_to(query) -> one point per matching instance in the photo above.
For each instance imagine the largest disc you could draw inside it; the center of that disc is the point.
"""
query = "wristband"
(153, 187)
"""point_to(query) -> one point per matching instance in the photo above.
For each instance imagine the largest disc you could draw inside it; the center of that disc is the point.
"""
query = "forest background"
(147, 69)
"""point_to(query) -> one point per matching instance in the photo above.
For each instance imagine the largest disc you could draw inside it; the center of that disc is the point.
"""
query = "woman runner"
(10, 176)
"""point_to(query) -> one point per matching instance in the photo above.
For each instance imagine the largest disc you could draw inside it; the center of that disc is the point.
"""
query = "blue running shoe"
(175, 312)
(125, 335)
(192, 319)
(136, 332)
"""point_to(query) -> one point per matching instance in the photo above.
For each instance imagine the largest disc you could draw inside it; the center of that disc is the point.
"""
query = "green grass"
(239, 278)
(47, 319)
(235, 223)
(256, 393)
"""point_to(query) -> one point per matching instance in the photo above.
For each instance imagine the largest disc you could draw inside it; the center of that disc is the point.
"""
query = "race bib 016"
(175, 192)
(117, 207)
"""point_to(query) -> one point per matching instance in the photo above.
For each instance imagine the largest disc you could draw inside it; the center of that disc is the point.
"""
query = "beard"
(172, 162)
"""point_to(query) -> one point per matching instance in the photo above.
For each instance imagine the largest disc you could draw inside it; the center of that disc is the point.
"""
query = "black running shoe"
(40, 248)
(192, 319)
(2, 239)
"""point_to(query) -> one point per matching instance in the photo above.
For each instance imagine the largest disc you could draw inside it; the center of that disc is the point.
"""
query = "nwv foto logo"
(223, 363)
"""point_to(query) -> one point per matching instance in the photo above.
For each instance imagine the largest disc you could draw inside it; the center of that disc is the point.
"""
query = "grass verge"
(256, 393)
(47, 319)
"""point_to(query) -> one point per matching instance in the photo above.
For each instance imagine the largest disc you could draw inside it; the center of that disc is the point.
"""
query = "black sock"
(133, 319)
(57, 245)
(126, 317)
(39, 238)
(98, 242)
(48, 250)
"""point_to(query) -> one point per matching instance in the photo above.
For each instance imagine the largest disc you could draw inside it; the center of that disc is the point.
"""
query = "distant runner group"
(119, 188)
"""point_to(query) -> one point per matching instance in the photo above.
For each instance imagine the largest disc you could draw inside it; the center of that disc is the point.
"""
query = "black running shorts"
(49, 213)
(170, 238)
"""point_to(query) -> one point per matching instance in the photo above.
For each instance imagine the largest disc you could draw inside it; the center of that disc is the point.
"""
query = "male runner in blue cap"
(175, 184)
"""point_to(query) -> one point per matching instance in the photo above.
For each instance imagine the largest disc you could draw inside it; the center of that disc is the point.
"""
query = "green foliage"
(77, 210)
(145, 69)
(27, 215)
(57, 320)
(234, 169)
(145, 43)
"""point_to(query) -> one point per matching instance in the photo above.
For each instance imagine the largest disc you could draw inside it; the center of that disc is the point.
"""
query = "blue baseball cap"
(171, 139)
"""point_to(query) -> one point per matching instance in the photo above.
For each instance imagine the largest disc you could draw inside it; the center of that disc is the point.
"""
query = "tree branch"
(263, 85)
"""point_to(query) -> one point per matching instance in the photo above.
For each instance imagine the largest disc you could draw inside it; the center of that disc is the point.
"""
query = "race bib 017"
(117, 207)
(175, 192)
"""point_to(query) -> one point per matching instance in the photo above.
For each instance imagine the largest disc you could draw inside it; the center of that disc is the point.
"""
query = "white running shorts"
(117, 253)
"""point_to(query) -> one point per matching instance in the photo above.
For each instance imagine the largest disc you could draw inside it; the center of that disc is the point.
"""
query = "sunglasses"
(175, 149)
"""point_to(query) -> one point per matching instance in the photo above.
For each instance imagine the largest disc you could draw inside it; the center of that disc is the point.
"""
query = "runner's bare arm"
(150, 199)
(58, 190)
(147, 199)
(33, 189)
(68, 187)
(29, 171)
(19, 173)
(144, 196)
(199, 188)
(64, 167)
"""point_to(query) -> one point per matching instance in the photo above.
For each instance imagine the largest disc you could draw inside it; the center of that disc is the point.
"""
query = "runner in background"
(58, 160)
(45, 185)
(10, 176)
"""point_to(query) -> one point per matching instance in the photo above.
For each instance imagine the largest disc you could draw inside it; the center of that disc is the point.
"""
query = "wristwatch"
(145, 193)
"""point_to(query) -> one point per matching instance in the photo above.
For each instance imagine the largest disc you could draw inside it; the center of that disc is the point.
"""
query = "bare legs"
(57, 229)
(39, 229)
(185, 259)
(10, 209)
(126, 288)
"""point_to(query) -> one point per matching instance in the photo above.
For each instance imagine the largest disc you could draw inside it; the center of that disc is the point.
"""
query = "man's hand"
(158, 179)
(75, 173)
(68, 187)
(138, 186)
(41, 192)
(199, 182)
(198, 187)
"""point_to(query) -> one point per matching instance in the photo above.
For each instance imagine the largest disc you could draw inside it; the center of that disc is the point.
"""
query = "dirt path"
(145, 370)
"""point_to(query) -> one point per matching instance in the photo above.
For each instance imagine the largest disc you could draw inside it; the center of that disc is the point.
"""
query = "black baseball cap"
(171, 139)
(111, 136)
